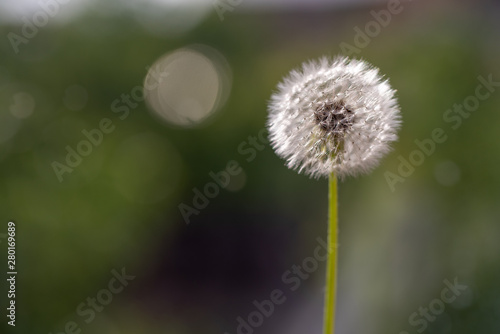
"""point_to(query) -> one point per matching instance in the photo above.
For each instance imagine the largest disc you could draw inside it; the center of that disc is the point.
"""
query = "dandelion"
(333, 118)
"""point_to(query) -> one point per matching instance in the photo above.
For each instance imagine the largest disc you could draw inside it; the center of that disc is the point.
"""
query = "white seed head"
(335, 116)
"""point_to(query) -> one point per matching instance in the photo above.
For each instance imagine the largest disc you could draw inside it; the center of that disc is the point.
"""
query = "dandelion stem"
(331, 267)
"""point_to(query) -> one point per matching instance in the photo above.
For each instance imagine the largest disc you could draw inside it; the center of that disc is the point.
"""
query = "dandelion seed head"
(335, 116)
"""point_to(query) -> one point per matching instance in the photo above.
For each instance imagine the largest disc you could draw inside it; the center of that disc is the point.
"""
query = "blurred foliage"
(119, 208)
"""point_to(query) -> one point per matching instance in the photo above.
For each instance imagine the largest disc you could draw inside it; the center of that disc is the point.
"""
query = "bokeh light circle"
(22, 105)
(447, 173)
(187, 86)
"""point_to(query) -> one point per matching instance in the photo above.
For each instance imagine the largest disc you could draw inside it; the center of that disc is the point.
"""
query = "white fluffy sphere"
(333, 116)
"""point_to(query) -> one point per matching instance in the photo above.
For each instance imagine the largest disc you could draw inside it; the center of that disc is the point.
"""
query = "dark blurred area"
(131, 136)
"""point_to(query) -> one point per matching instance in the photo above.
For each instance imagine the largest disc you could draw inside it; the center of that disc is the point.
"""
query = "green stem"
(331, 267)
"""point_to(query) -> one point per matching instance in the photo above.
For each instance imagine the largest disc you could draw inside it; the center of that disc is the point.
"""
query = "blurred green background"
(119, 207)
